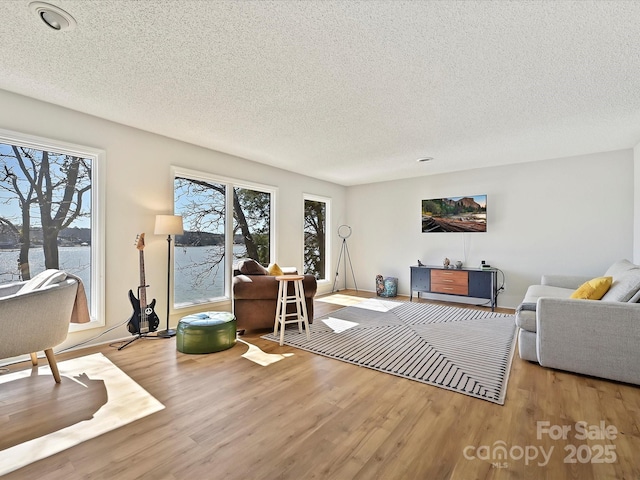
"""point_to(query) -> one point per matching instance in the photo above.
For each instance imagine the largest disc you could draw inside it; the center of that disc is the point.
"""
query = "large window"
(252, 224)
(49, 213)
(316, 236)
(224, 220)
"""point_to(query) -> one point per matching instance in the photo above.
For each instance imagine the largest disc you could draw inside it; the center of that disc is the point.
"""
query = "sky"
(9, 205)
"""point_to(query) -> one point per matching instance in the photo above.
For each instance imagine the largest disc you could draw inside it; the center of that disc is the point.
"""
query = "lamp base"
(166, 333)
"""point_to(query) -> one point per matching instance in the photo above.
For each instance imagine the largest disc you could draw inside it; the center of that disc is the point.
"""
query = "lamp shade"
(168, 225)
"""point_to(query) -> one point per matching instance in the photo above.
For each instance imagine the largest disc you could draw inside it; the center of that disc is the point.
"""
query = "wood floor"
(310, 417)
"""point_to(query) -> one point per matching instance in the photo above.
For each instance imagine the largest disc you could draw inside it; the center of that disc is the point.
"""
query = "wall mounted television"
(455, 214)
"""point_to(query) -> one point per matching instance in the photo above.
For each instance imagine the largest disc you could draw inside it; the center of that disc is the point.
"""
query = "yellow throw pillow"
(594, 289)
(275, 270)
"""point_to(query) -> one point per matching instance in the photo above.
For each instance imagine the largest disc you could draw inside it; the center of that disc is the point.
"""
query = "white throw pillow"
(43, 279)
(624, 287)
(619, 268)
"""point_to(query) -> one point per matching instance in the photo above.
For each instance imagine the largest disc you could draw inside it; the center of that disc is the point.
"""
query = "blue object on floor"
(390, 287)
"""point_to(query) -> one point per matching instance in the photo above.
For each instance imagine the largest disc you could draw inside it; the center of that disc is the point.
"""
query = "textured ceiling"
(347, 91)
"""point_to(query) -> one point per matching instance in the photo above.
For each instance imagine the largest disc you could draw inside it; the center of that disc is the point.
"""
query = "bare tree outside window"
(200, 253)
(315, 238)
(45, 213)
(252, 222)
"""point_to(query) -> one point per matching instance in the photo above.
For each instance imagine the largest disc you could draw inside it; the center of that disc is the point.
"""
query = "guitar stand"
(140, 335)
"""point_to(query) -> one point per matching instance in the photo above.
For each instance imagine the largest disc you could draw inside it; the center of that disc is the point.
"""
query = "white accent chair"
(35, 315)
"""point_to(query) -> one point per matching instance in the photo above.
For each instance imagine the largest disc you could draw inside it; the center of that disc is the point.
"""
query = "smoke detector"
(52, 16)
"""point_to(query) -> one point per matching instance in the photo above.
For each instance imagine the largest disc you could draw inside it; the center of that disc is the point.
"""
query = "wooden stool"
(285, 299)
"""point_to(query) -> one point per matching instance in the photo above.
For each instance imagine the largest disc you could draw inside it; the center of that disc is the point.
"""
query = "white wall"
(636, 204)
(138, 186)
(571, 215)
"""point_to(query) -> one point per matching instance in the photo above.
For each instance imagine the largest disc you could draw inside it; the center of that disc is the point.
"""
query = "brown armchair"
(255, 295)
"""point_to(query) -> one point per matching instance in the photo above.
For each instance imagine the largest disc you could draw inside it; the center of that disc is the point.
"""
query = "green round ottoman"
(206, 332)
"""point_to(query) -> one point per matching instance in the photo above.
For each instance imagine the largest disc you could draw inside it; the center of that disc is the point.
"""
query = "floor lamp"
(168, 225)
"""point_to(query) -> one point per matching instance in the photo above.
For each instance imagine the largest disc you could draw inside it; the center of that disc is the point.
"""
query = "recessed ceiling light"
(52, 16)
(424, 159)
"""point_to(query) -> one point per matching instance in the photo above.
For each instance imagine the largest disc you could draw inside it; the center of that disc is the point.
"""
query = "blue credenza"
(465, 282)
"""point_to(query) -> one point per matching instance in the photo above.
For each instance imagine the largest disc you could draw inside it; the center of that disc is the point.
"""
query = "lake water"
(196, 280)
(75, 260)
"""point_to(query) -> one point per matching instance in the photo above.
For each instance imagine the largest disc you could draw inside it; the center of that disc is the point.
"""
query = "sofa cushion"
(624, 286)
(635, 298)
(251, 267)
(526, 312)
(619, 268)
(526, 319)
(534, 292)
(265, 287)
(594, 289)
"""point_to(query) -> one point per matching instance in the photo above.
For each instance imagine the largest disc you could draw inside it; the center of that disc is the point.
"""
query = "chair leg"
(52, 363)
(34, 359)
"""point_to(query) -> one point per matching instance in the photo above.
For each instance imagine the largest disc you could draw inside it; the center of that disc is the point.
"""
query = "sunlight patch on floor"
(256, 355)
(338, 325)
(119, 400)
(339, 299)
(377, 305)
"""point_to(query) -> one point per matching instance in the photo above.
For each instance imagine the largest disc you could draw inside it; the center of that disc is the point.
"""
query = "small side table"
(284, 299)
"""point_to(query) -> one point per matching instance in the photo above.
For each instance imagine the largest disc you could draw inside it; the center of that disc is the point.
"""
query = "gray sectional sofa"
(592, 337)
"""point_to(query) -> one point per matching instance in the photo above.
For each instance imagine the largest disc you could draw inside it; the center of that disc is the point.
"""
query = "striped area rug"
(459, 349)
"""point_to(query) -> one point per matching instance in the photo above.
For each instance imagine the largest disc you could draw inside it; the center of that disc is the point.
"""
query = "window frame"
(98, 208)
(229, 183)
(328, 231)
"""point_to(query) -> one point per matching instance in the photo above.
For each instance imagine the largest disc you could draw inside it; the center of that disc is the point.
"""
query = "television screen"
(455, 214)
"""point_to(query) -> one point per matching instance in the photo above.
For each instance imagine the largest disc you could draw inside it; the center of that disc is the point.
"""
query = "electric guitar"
(144, 318)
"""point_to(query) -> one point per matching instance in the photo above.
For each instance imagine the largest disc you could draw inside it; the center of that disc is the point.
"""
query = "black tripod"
(344, 232)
